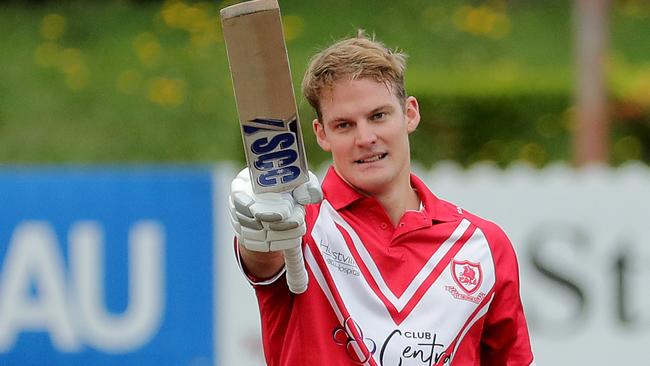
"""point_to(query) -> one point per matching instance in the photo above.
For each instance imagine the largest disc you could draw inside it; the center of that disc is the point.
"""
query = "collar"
(340, 195)
(338, 192)
(434, 208)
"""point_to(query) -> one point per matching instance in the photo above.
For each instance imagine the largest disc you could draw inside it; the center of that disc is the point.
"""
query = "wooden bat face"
(264, 93)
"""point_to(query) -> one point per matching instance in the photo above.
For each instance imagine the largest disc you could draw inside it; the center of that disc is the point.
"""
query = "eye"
(378, 116)
(342, 125)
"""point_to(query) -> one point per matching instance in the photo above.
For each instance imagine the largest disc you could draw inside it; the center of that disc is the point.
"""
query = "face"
(365, 127)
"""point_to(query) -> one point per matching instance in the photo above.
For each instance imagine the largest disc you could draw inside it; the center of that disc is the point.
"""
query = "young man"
(397, 276)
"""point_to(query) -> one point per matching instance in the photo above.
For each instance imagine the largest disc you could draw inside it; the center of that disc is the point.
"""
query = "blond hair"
(354, 58)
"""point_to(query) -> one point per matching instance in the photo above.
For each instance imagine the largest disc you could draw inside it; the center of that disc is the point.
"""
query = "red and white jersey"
(440, 288)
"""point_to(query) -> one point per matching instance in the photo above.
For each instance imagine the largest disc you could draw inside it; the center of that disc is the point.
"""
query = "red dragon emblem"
(468, 275)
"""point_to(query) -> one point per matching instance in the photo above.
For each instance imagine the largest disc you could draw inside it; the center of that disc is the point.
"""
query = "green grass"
(69, 106)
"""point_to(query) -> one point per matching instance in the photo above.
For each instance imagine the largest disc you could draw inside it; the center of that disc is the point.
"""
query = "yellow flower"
(293, 26)
(482, 21)
(147, 48)
(52, 26)
(47, 54)
(167, 92)
(73, 65)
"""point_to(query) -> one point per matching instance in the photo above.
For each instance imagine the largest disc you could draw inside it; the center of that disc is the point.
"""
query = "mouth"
(371, 159)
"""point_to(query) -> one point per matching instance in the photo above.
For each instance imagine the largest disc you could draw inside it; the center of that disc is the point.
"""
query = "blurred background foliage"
(148, 81)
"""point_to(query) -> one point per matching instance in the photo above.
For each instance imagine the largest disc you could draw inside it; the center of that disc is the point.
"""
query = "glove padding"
(270, 221)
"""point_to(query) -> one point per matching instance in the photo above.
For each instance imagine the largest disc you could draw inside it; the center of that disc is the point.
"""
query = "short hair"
(354, 58)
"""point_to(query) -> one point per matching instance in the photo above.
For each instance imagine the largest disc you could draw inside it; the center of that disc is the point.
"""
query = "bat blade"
(264, 93)
(267, 110)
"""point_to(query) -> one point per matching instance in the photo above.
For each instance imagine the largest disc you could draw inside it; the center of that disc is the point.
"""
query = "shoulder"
(492, 231)
(496, 237)
(501, 249)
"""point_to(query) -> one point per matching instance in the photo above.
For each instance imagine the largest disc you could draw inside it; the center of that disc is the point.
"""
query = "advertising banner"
(106, 266)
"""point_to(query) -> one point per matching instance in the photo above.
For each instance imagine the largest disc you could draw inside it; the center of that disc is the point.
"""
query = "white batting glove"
(270, 221)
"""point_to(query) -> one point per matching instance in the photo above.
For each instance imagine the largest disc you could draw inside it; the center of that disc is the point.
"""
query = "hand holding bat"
(270, 221)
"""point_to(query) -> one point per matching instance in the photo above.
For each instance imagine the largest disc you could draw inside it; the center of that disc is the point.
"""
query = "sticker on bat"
(272, 151)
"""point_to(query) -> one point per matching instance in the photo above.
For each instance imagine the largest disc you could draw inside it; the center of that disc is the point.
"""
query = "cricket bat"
(267, 110)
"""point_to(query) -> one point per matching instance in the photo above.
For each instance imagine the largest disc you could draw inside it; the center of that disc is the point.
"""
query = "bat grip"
(296, 272)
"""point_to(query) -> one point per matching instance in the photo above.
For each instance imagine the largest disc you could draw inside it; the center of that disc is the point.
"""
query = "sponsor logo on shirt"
(468, 276)
(359, 348)
(413, 347)
(341, 261)
(401, 346)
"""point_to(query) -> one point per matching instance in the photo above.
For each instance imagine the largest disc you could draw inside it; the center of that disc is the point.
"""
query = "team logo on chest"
(467, 275)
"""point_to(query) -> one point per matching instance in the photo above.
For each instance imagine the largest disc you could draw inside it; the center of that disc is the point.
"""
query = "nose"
(365, 134)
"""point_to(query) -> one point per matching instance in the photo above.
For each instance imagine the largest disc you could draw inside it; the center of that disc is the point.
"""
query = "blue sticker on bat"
(273, 152)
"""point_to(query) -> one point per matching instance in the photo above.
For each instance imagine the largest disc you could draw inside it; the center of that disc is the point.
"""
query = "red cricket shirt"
(440, 288)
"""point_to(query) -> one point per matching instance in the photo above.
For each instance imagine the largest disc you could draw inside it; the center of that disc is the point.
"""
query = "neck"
(398, 201)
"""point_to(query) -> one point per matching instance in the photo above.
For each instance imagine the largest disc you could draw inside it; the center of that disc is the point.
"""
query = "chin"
(371, 183)
(371, 178)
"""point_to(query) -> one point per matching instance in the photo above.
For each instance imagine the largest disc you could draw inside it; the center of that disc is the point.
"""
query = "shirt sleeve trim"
(250, 278)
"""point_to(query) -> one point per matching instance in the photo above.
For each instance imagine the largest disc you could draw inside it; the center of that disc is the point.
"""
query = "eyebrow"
(384, 107)
(335, 120)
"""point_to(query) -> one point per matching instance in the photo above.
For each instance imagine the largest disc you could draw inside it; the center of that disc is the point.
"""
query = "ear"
(412, 112)
(321, 137)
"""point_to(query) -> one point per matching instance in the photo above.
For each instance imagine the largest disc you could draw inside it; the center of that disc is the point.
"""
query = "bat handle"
(296, 272)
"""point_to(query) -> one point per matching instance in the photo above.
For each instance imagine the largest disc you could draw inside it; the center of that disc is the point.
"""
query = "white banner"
(583, 256)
